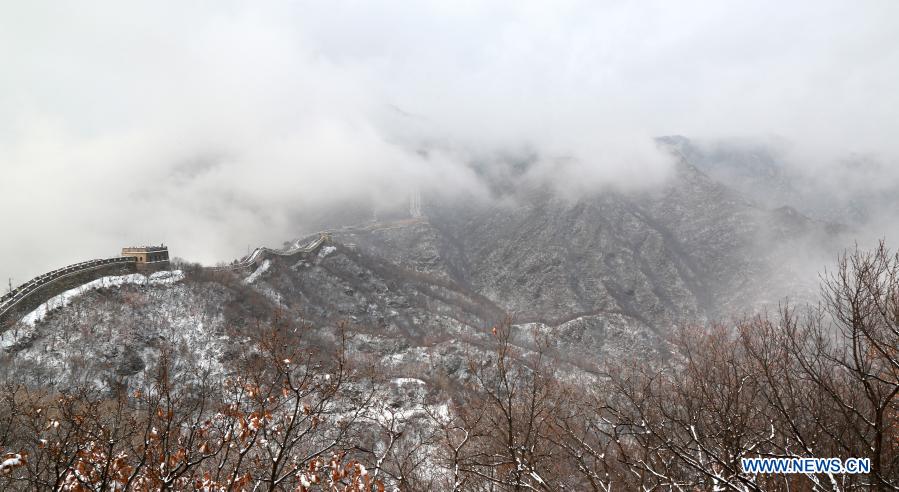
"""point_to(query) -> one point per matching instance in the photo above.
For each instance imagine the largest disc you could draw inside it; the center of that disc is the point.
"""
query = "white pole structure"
(415, 204)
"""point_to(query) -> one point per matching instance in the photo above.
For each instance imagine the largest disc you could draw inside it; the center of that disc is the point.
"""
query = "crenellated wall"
(30, 295)
(40, 289)
(258, 255)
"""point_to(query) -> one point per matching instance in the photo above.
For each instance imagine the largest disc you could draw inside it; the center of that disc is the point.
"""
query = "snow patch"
(326, 251)
(11, 461)
(166, 276)
(64, 299)
(258, 273)
(404, 381)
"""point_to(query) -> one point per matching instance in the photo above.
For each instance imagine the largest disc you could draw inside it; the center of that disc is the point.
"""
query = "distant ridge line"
(262, 252)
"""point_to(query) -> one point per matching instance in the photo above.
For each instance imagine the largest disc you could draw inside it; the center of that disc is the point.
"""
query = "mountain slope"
(601, 276)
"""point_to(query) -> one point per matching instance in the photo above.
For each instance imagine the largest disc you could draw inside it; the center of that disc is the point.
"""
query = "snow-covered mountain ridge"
(606, 276)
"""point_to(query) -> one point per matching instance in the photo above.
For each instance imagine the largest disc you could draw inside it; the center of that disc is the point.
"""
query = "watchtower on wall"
(149, 257)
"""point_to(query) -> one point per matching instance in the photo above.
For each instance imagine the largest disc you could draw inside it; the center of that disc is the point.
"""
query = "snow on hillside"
(326, 251)
(258, 273)
(121, 333)
(62, 300)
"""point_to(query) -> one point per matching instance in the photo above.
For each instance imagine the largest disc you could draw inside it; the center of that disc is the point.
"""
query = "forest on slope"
(300, 411)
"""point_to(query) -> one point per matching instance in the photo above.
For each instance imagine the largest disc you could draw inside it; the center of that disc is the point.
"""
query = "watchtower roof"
(145, 249)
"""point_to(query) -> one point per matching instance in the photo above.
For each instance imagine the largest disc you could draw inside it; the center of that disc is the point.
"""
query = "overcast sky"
(214, 125)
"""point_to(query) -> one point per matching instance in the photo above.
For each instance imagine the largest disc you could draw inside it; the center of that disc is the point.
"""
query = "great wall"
(33, 293)
(28, 296)
(258, 255)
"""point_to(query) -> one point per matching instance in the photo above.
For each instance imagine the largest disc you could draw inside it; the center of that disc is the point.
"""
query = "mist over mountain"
(232, 125)
(622, 269)
(857, 192)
